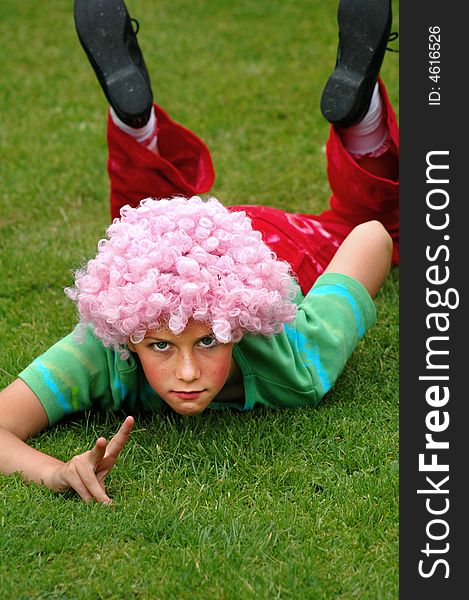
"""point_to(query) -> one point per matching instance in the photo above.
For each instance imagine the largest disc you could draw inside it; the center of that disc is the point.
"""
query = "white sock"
(146, 135)
(370, 136)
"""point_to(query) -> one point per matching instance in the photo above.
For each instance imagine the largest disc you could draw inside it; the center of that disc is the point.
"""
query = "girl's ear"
(131, 346)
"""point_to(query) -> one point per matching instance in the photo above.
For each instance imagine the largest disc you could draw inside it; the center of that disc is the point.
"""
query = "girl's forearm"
(17, 457)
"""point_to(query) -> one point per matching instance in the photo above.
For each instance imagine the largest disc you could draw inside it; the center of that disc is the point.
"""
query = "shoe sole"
(364, 27)
(101, 27)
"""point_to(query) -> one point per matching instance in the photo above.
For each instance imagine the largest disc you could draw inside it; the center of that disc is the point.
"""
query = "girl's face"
(186, 370)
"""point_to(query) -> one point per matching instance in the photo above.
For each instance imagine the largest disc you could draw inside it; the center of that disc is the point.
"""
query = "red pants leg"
(308, 242)
(357, 195)
(183, 166)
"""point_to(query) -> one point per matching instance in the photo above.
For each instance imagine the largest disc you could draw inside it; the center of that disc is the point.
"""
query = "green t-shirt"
(294, 368)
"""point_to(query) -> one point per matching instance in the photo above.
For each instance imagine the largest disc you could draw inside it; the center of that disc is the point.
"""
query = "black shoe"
(105, 31)
(364, 27)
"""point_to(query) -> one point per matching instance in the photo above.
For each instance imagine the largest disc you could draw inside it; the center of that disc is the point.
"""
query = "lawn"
(269, 504)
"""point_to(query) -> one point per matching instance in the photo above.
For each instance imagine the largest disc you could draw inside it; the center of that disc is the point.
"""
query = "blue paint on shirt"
(310, 354)
(49, 381)
(341, 291)
(120, 387)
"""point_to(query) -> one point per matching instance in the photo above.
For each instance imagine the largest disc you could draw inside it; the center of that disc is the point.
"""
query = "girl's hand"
(85, 472)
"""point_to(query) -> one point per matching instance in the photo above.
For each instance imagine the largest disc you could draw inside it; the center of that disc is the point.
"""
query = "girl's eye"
(160, 346)
(208, 342)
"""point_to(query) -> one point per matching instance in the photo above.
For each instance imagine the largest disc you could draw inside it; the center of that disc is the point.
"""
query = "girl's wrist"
(45, 472)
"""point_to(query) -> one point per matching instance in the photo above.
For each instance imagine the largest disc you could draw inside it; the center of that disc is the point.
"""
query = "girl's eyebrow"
(158, 338)
(202, 337)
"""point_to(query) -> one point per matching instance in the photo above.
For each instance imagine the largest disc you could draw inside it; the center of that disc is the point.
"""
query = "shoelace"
(392, 37)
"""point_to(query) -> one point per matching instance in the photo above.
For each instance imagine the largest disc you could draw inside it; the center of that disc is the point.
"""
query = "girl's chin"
(188, 406)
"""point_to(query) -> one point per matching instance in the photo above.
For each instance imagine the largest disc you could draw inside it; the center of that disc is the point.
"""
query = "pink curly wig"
(168, 261)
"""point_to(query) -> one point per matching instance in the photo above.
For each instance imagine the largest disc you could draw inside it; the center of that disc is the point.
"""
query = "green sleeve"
(333, 317)
(75, 374)
(299, 366)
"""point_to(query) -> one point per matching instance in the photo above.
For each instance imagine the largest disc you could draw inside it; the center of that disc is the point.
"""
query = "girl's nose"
(187, 368)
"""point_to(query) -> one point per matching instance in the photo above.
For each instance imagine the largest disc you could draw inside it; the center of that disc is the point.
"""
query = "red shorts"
(306, 242)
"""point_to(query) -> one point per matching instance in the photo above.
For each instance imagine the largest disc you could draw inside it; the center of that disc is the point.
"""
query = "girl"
(198, 306)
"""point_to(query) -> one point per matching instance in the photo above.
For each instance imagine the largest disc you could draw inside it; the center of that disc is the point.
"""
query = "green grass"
(286, 504)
